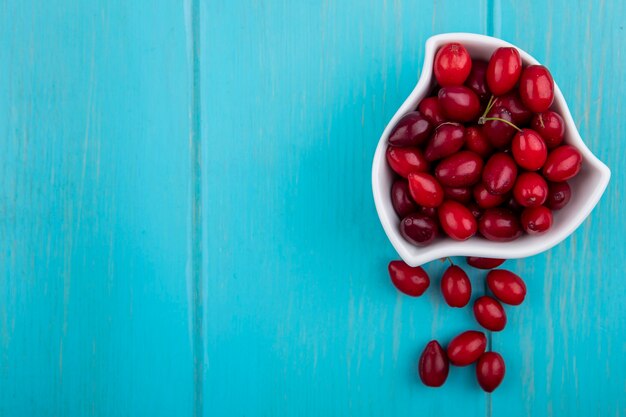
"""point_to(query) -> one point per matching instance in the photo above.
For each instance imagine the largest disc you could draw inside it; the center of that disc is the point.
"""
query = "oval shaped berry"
(401, 199)
(459, 103)
(529, 150)
(550, 126)
(466, 348)
(477, 80)
(460, 194)
(412, 129)
(484, 263)
(485, 199)
(419, 229)
(513, 103)
(500, 225)
(563, 163)
(536, 220)
(476, 141)
(490, 371)
(433, 365)
(456, 287)
(499, 173)
(447, 139)
(425, 189)
(409, 280)
(559, 194)
(489, 313)
(452, 64)
(504, 70)
(403, 161)
(461, 169)
(536, 88)
(506, 286)
(499, 133)
(456, 220)
(530, 189)
(429, 108)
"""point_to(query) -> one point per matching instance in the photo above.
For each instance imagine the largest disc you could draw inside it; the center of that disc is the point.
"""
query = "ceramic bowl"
(587, 187)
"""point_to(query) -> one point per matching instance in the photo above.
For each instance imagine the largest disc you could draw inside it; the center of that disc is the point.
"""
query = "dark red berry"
(536, 88)
(500, 225)
(529, 150)
(412, 129)
(433, 365)
(425, 189)
(406, 160)
(476, 141)
(559, 194)
(530, 189)
(461, 169)
(466, 348)
(499, 133)
(409, 280)
(456, 287)
(419, 229)
(477, 80)
(536, 220)
(456, 220)
(452, 65)
(429, 108)
(459, 103)
(447, 139)
(489, 313)
(499, 173)
(485, 199)
(562, 164)
(506, 286)
(401, 199)
(460, 194)
(505, 68)
(513, 103)
(490, 371)
(484, 263)
(550, 126)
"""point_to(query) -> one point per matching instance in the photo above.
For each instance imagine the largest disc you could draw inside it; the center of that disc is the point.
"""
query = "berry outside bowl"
(587, 187)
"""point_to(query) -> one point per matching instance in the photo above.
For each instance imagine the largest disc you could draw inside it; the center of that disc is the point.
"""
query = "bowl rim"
(426, 253)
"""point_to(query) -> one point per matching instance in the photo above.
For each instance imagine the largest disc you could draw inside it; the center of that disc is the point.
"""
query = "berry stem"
(490, 104)
(541, 120)
(450, 260)
(482, 121)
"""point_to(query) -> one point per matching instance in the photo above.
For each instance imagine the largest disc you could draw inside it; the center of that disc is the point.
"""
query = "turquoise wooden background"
(187, 227)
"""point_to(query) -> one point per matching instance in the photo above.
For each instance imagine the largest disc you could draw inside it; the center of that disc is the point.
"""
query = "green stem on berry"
(450, 260)
(482, 121)
(490, 104)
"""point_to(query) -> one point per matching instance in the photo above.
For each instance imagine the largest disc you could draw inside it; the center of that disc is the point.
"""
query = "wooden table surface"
(187, 226)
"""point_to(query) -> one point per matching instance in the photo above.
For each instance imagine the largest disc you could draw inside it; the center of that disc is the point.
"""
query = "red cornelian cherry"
(489, 313)
(485, 199)
(456, 220)
(499, 173)
(499, 133)
(409, 280)
(412, 129)
(536, 220)
(484, 263)
(425, 189)
(419, 229)
(460, 194)
(406, 160)
(452, 65)
(456, 287)
(504, 70)
(559, 194)
(459, 103)
(476, 141)
(430, 109)
(466, 348)
(500, 225)
(536, 88)
(508, 287)
(513, 103)
(461, 169)
(529, 150)
(401, 198)
(550, 126)
(447, 139)
(433, 365)
(530, 189)
(475, 210)
(563, 163)
(477, 80)
(513, 205)
(429, 211)
(490, 371)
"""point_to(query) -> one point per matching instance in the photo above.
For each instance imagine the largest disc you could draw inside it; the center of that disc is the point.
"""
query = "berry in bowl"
(483, 159)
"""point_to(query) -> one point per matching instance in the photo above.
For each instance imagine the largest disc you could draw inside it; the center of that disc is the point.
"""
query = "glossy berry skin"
(456, 220)
(401, 199)
(447, 139)
(536, 220)
(563, 163)
(536, 88)
(500, 173)
(484, 263)
(485, 199)
(529, 150)
(490, 371)
(499, 225)
(459, 103)
(513, 103)
(456, 287)
(462, 169)
(403, 161)
(489, 313)
(412, 129)
(460, 194)
(477, 80)
(409, 280)
(433, 365)
(476, 141)
(466, 348)
(499, 133)
(550, 126)
(425, 189)
(429, 108)
(419, 229)
(559, 194)
(508, 287)
(504, 70)
(452, 65)
(530, 189)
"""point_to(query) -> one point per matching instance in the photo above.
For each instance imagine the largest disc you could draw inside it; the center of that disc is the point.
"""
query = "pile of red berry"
(470, 346)
(483, 154)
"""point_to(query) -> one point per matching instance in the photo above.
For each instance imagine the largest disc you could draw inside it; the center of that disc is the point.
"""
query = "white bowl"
(587, 187)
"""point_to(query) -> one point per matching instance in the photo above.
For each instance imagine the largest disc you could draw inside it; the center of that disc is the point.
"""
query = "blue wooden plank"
(301, 316)
(565, 347)
(94, 203)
